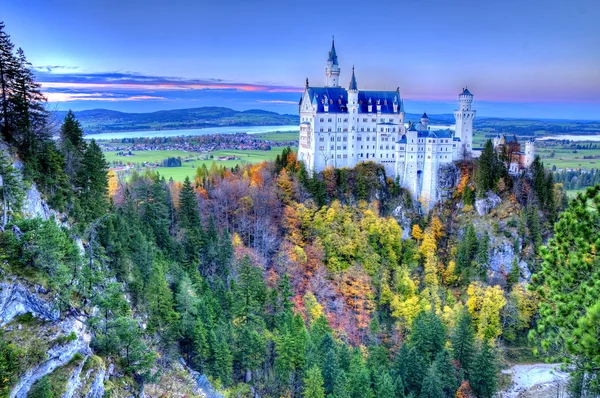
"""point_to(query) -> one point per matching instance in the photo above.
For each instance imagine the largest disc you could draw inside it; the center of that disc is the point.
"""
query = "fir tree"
(463, 340)
(8, 66)
(188, 206)
(72, 144)
(515, 273)
(484, 378)
(432, 385)
(313, 384)
(12, 190)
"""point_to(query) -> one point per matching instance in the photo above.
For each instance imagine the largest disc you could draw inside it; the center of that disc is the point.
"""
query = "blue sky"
(521, 58)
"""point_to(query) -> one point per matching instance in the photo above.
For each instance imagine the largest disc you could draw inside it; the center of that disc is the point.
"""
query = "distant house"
(509, 149)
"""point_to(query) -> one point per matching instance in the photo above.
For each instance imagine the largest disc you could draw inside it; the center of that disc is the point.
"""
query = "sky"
(520, 58)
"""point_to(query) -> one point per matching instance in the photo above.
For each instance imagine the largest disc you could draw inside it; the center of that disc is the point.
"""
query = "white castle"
(341, 127)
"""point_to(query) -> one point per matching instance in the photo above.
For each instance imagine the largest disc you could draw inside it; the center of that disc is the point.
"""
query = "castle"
(341, 127)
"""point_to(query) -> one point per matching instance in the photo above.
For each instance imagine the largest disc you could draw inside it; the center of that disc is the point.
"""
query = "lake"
(571, 137)
(191, 132)
(207, 131)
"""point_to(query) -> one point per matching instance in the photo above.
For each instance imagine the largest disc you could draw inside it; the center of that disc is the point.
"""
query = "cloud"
(125, 81)
(70, 97)
(283, 102)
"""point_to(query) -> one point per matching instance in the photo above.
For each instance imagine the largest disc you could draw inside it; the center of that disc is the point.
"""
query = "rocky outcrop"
(448, 178)
(58, 355)
(203, 384)
(485, 205)
(401, 214)
(16, 299)
(34, 206)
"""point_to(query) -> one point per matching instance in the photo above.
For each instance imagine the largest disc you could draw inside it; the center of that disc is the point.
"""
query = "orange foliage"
(464, 391)
(357, 293)
(255, 174)
(174, 191)
(113, 183)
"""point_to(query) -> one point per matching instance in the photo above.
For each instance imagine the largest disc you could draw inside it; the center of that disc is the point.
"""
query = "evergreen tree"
(428, 335)
(485, 176)
(8, 66)
(72, 144)
(569, 311)
(340, 387)
(189, 216)
(483, 257)
(92, 183)
(463, 340)
(484, 378)
(515, 273)
(313, 384)
(12, 190)
(432, 385)
(384, 386)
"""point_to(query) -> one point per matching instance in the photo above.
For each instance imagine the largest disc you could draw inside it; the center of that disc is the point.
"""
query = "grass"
(188, 169)
(279, 136)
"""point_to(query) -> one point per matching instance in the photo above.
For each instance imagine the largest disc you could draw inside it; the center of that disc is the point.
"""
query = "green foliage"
(12, 189)
(9, 368)
(313, 384)
(566, 282)
(463, 341)
(489, 169)
(484, 372)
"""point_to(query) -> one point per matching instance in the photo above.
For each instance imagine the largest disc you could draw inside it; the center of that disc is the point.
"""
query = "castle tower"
(529, 152)
(425, 121)
(352, 119)
(332, 71)
(464, 122)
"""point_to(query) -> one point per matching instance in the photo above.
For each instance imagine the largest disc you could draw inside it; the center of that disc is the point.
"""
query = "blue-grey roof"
(353, 85)
(466, 92)
(402, 140)
(443, 134)
(423, 134)
(386, 100)
(332, 55)
(455, 139)
(412, 127)
(424, 116)
(336, 97)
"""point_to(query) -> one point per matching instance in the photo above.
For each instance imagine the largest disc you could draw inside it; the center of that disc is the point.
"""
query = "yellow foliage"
(314, 310)
(449, 274)
(437, 228)
(527, 304)
(485, 305)
(236, 241)
(113, 183)
(417, 232)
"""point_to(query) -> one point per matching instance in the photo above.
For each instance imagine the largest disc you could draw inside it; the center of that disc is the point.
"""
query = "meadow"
(188, 169)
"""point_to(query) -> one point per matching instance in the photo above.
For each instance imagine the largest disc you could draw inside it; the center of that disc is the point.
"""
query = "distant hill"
(104, 120)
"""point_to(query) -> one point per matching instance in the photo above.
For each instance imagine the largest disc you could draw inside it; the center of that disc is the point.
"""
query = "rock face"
(501, 258)
(34, 206)
(538, 380)
(485, 205)
(16, 299)
(401, 215)
(448, 178)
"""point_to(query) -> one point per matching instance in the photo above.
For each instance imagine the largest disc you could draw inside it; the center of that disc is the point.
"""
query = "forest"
(276, 283)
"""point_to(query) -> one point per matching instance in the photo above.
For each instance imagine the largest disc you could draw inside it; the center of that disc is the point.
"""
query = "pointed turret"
(353, 85)
(332, 70)
(332, 55)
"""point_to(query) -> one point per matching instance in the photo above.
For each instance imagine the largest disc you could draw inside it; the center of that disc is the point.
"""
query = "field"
(189, 168)
(279, 136)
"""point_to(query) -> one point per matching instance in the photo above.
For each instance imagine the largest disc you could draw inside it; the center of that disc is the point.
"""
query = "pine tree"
(92, 183)
(515, 273)
(340, 387)
(12, 190)
(569, 310)
(8, 66)
(384, 386)
(485, 176)
(189, 216)
(463, 340)
(484, 378)
(313, 384)
(432, 385)
(72, 144)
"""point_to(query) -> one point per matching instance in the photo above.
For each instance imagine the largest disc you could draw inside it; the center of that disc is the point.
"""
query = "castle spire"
(332, 54)
(353, 85)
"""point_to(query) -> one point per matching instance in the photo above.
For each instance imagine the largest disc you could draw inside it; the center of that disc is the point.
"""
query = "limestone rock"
(16, 299)
(485, 205)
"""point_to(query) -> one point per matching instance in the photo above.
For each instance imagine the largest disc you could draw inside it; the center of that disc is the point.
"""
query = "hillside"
(103, 120)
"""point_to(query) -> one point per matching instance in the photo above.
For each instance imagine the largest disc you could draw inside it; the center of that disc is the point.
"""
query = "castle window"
(428, 157)
(321, 148)
(345, 120)
(387, 155)
(345, 156)
(387, 147)
(339, 138)
(332, 138)
(364, 120)
(381, 155)
(339, 129)
(321, 120)
(361, 147)
(382, 120)
(321, 129)
(394, 156)
(339, 156)
(367, 156)
(359, 138)
(321, 139)
(329, 120)
(332, 147)
(339, 147)
(345, 138)
(329, 130)
(373, 120)
(368, 138)
(362, 129)
(380, 146)
(391, 120)
(344, 146)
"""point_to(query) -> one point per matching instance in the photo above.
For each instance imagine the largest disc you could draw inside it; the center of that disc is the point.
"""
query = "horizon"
(159, 57)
